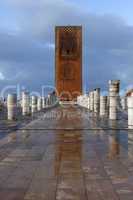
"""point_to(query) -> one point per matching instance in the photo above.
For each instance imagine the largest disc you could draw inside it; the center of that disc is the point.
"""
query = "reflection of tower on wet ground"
(69, 150)
(68, 163)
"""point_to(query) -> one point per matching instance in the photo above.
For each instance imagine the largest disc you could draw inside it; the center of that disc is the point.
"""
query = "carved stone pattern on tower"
(68, 44)
(68, 57)
(67, 72)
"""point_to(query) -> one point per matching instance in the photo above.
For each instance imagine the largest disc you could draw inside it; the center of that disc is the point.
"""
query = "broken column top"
(114, 86)
(129, 93)
(25, 93)
(97, 89)
(103, 97)
(12, 97)
(114, 82)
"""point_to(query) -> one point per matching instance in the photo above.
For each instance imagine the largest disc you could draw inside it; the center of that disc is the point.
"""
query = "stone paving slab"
(41, 162)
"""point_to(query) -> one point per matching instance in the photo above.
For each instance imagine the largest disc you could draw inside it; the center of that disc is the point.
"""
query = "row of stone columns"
(103, 105)
(28, 105)
(130, 110)
(108, 105)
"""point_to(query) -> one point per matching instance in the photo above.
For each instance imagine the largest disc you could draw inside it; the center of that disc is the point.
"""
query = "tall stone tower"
(68, 62)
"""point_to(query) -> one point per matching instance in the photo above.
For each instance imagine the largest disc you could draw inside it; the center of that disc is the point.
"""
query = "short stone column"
(11, 106)
(46, 102)
(52, 99)
(55, 100)
(84, 101)
(25, 103)
(79, 100)
(114, 86)
(39, 104)
(130, 111)
(97, 100)
(33, 104)
(103, 105)
(43, 102)
(108, 102)
(49, 102)
(88, 102)
(91, 98)
(124, 103)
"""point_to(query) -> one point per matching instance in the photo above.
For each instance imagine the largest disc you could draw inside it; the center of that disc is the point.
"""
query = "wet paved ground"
(67, 155)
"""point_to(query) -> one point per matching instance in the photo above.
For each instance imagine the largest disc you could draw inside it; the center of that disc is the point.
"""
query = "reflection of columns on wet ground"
(118, 142)
(25, 134)
(114, 141)
(68, 164)
(114, 146)
(21, 137)
(12, 137)
(130, 142)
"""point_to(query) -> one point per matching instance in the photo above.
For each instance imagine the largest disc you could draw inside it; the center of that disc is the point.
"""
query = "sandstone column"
(91, 101)
(103, 106)
(85, 101)
(46, 102)
(11, 106)
(53, 99)
(43, 102)
(124, 103)
(97, 100)
(130, 111)
(88, 102)
(25, 103)
(39, 104)
(33, 104)
(114, 86)
(79, 100)
(49, 100)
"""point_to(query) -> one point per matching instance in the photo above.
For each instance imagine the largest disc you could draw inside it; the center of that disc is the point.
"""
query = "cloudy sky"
(27, 40)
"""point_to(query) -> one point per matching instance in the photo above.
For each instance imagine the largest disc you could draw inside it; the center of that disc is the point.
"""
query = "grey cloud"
(27, 57)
